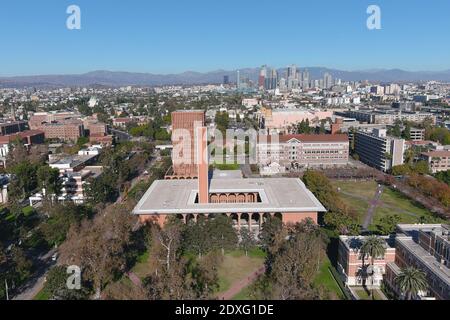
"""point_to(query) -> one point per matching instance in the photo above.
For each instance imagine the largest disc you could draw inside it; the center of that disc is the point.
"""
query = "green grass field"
(227, 167)
(236, 266)
(243, 295)
(42, 295)
(364, 295)
(358, 194)
(326, 279)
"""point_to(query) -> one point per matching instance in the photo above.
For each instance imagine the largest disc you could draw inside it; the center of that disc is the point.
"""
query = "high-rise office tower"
(292, 71)
(327, 80)
(226, 79)
(292, 77)
(305, 79)
(282, 85)
(262, 77)
(238, 82)
(274, 79)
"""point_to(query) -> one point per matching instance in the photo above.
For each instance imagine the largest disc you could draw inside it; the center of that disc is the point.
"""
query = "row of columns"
(234, 197)
(229, 215)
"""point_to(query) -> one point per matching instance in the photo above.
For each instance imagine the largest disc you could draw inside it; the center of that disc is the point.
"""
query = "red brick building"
(69, 130)
(184, 125)
(351, 263)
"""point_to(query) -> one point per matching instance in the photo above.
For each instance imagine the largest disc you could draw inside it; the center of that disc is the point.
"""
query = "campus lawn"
(359, 205)
(243, 295)
(326, 279)
(143, 266)
(364, 189)
(365, 295)
(227, 167)
(236, 266)
(395, 200)
(357, 195)
(42, 295)
(392, 202)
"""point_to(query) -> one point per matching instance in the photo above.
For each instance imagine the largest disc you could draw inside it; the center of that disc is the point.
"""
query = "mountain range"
(114, 78)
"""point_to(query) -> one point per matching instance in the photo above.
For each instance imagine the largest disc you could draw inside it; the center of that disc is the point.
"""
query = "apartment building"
(303, 150)
(378, 150)
(417, 134)
(74, 183)
(437, 160)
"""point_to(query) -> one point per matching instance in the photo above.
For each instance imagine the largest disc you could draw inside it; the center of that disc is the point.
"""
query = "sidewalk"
(240, 285)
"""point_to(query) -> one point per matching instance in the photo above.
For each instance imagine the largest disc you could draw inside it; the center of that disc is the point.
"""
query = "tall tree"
(25, 173)
(374, 248)
(295, 265)
(48, 179)
(248, 241)
(411, 281)
(339, 217)
(99, 246)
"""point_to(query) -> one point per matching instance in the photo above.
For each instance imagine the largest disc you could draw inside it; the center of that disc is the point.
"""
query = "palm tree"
(373, 247)
(411, 281)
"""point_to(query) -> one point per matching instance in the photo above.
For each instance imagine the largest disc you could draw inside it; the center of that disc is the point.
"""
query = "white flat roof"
(277, 195)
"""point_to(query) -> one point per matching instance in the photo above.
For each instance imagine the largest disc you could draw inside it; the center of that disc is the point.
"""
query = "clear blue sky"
(168, 36)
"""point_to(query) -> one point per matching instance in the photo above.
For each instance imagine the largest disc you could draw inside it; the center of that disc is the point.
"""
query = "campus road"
(36, 283)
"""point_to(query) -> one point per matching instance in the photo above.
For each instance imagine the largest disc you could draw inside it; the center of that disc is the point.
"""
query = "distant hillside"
(109, 78)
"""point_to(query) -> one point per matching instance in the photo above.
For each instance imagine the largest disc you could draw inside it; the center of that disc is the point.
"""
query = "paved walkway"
(135, 279)
(372, 206)
(241, 284)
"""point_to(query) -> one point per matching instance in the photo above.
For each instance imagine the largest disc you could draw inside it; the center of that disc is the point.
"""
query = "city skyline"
(166, 38)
